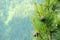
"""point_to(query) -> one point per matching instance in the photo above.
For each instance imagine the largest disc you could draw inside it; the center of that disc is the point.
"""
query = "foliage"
(49, 28)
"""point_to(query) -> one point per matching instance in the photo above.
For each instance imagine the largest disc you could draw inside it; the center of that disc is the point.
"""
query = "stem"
(50, 36)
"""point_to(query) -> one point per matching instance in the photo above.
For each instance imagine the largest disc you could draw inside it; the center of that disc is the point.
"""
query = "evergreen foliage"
(46, 20)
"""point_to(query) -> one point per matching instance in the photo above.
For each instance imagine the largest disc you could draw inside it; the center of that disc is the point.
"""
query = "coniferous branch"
(46, 20)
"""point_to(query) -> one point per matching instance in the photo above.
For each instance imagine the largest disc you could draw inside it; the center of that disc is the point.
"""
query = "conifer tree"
(46, 20)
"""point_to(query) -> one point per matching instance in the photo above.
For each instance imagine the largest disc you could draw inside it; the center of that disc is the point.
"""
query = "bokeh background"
(15, 22)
